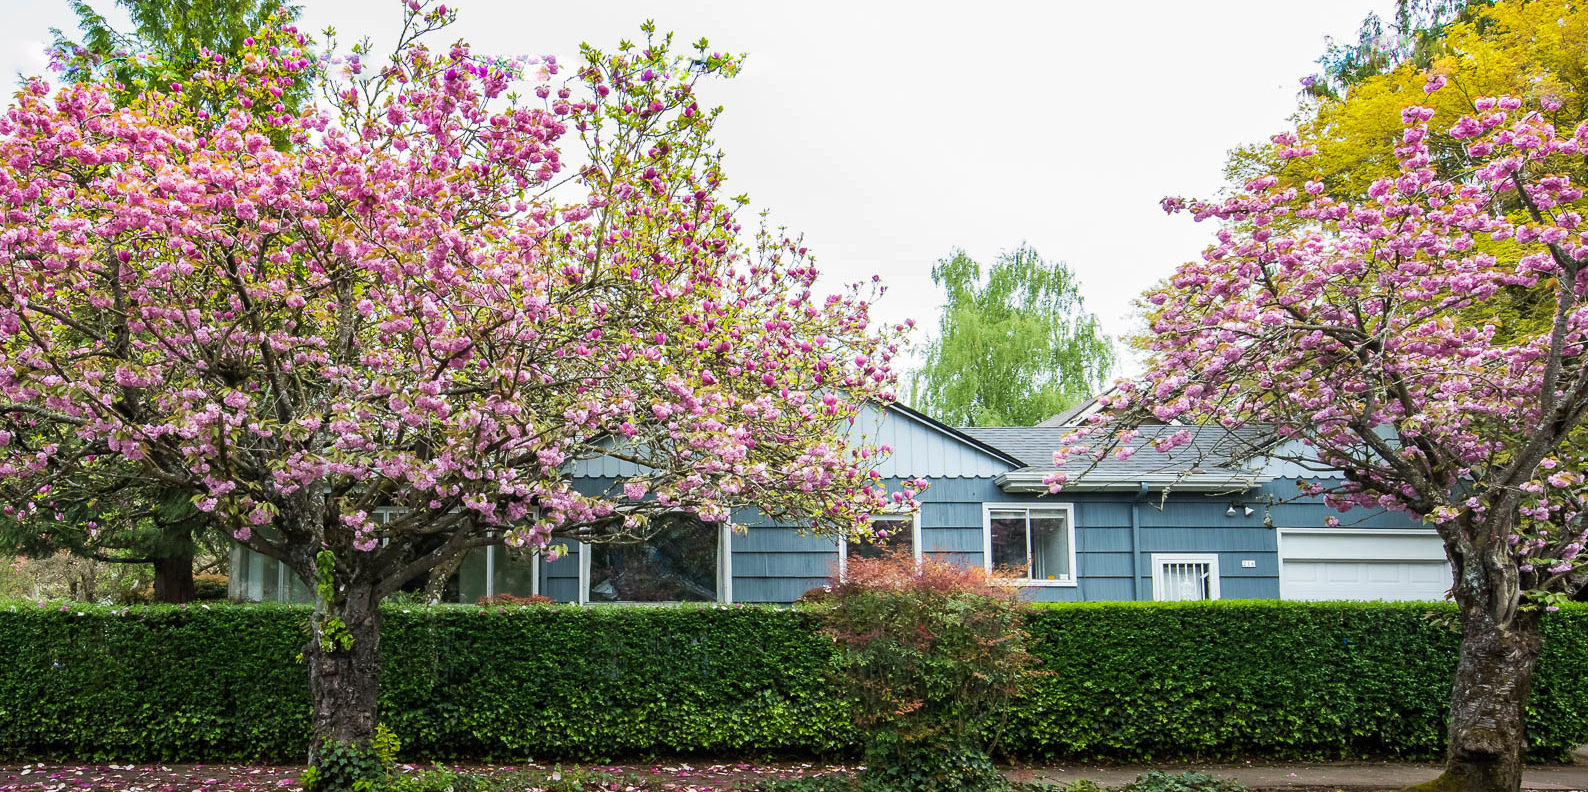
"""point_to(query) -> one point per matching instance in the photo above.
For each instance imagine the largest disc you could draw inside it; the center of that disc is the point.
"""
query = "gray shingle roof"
(1066, 418)
(1213, 453)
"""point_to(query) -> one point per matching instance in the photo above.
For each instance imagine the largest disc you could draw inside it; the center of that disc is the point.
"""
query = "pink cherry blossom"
(1376, 335)
(438, 303)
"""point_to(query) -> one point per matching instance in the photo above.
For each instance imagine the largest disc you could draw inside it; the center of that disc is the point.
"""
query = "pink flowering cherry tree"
(428, 304)
(1367, 335)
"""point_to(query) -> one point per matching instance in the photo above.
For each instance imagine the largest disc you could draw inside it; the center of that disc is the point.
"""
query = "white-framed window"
(498, 569)
(483, 572)
(1038, 540)
(685, 560)
(1185, 577)
(890, 532)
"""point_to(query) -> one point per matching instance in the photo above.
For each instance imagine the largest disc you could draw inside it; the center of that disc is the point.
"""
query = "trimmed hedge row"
(1124, 680)
(153, 682)
(1280, 679)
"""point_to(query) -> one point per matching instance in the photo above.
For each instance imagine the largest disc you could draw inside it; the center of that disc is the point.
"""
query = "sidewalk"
(1327, 775)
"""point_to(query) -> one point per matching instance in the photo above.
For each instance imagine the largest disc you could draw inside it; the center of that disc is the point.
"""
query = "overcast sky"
(892, 132)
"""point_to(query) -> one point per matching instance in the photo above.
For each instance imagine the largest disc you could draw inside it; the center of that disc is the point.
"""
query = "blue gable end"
(778, 563)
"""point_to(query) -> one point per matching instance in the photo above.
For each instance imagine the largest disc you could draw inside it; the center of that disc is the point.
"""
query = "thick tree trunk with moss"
(343, 655)
(1500, 646)
(1488, 711)
(173, 579)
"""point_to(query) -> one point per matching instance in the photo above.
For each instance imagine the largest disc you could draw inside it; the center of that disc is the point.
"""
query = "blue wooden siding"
(1102, 552)
(950, 524)
(560, 579)
(952, 527)
(1108, 567)
(1196, 523)
(777, 563)
(921, 450)
(1101, 514)
(948, 515)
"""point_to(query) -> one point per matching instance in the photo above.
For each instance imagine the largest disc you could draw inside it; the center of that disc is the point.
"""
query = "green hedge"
(97, 684)
(1280, 679)
(585, 683)
(1124, 680)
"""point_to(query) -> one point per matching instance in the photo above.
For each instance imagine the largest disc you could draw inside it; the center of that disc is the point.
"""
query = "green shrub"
(1128, 681)
(438, 779)
(345, 767)
(210, 587)
(1146, 681)
(932, 654)
(158, 682)
(815, 783)
(1189, 781)
(568, 683)
(1073, 786)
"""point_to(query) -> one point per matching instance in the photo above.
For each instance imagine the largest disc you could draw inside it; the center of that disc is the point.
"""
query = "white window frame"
(915, 538)
(490, 570)
(253, 588)
(986, 541)
(724, 571)
(1159, 560)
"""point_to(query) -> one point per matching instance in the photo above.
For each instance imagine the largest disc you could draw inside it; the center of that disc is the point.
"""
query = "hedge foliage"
(1124, 680)
(1280, 679)
(153, 682)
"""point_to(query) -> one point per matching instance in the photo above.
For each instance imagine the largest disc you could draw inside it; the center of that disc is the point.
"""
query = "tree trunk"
(343, 655)
(436, 583)
(1500, 646)
(173, 579)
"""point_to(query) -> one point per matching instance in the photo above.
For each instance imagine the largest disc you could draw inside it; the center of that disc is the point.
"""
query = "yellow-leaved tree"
(1535, 50)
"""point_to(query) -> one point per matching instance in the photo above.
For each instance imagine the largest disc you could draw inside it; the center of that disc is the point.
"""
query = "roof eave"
(1020, 481)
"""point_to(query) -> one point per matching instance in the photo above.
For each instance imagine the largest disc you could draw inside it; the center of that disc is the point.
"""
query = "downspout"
(1135, 541)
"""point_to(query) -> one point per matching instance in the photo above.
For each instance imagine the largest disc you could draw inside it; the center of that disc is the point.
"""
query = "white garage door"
(1361, 564)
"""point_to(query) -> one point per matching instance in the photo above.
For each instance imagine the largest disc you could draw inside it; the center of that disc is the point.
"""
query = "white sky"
(892, 132)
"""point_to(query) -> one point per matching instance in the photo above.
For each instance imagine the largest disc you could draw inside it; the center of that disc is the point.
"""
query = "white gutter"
(1031, 481)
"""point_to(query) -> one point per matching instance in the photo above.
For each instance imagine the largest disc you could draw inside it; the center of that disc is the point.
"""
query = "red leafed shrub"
(898, 570)
(932, 653)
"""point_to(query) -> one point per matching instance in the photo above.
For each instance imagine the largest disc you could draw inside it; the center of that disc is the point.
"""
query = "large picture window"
(680, 562)
(1036, 543)
(890, 533)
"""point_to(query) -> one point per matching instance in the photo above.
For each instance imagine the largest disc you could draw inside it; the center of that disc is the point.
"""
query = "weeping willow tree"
(168, 41)
(1014, 345)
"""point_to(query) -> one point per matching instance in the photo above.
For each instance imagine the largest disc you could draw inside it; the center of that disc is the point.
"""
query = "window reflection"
(677, 564)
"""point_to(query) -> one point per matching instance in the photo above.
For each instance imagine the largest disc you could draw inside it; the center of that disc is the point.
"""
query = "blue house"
(1214, 519)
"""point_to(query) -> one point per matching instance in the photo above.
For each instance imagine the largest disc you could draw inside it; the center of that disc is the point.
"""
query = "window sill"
(1028, 583)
